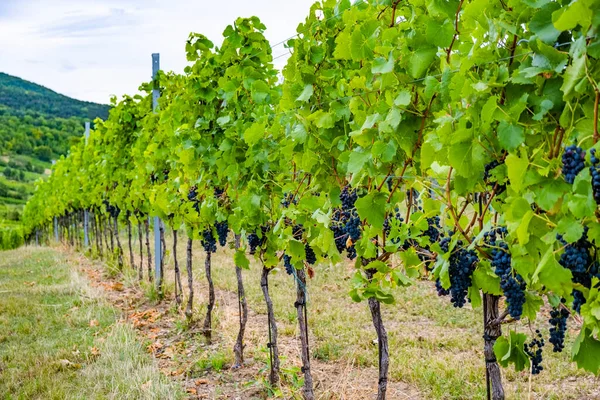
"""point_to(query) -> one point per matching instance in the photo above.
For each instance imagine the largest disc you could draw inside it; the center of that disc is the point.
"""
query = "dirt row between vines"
(203, 369)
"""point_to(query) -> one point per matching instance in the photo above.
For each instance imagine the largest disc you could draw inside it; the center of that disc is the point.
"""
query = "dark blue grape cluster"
(512, 284)
(389, 220)
(208, 241)
(487, 174)
(193, 193)
(558, 323)
(193, 197)
(218, 192)
(573, 160)
(434, 229)
(255, 241)
(577, 258)
(348, 197)
(222, 232)
(287, 263)
(288, 199)
(345, 223)
(462, 264)
(311, 257)
(595, 173)
(440, 289)
(113, 211)
(297, 231)
(578, 300)
(534, 351)
(390, 183)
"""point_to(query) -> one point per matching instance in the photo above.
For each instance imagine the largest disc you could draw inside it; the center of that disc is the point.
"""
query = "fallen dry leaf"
(95, 351)
(94, 322)
(68, 364)
(192, 391)
(146, 386)
(155, 346)
(201, 382)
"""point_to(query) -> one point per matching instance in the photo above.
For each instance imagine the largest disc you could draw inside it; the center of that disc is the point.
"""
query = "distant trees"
(43, 153)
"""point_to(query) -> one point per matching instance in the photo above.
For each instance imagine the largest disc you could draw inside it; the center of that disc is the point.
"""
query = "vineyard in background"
(446, 140)
(37, 126)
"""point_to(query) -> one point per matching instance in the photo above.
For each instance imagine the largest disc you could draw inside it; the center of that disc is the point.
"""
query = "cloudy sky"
(92, 49)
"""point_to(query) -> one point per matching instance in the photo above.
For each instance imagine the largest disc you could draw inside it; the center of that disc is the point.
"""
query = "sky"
(93, 49)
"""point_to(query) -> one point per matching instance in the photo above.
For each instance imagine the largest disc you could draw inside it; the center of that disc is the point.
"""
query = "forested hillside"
(39, 122)
(37, 125)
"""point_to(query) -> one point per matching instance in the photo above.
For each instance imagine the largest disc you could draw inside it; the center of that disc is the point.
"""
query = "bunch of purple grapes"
(512, 284)
(578, 258)
(222, 232)
(462, 264)
(573, 160)
(487, 174)
(193, 197)
(208, 241)
(255, 241)
(288, 199)
(558, 329)
(534, 351)
(345, 223)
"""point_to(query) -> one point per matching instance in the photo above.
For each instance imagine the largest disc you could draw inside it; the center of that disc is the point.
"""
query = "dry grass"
(60, 340)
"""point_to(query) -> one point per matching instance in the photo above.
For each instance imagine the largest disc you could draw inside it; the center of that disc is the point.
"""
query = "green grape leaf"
(586, 352)
(382, 65)
(551, 274)
(372, 208)
(306, 93)
(411, 262)
(403, 98)
(254, 134)
(510, 136)
(533, 304)
(541, 23)
(511, 351)
(517, 168)
(440, 33)
(420, 61)
(485, 279)
(357, 161)
(260, 91)
(240, 259)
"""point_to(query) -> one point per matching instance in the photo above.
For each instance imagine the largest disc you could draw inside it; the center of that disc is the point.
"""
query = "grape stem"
(463, 209)
(487, 204)
(456, 32)
(394, 6)
(337, 178)
(384, 179)
(299, 186)
(452, 210)
(400, 179)
(556, 141)
(422, 127)
(410, 205)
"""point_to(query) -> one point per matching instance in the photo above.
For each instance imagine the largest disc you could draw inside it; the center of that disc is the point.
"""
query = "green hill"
(37, 125)
(19, 94)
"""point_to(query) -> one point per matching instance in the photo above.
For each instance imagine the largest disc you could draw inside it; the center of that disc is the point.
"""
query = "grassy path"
(60, 340)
